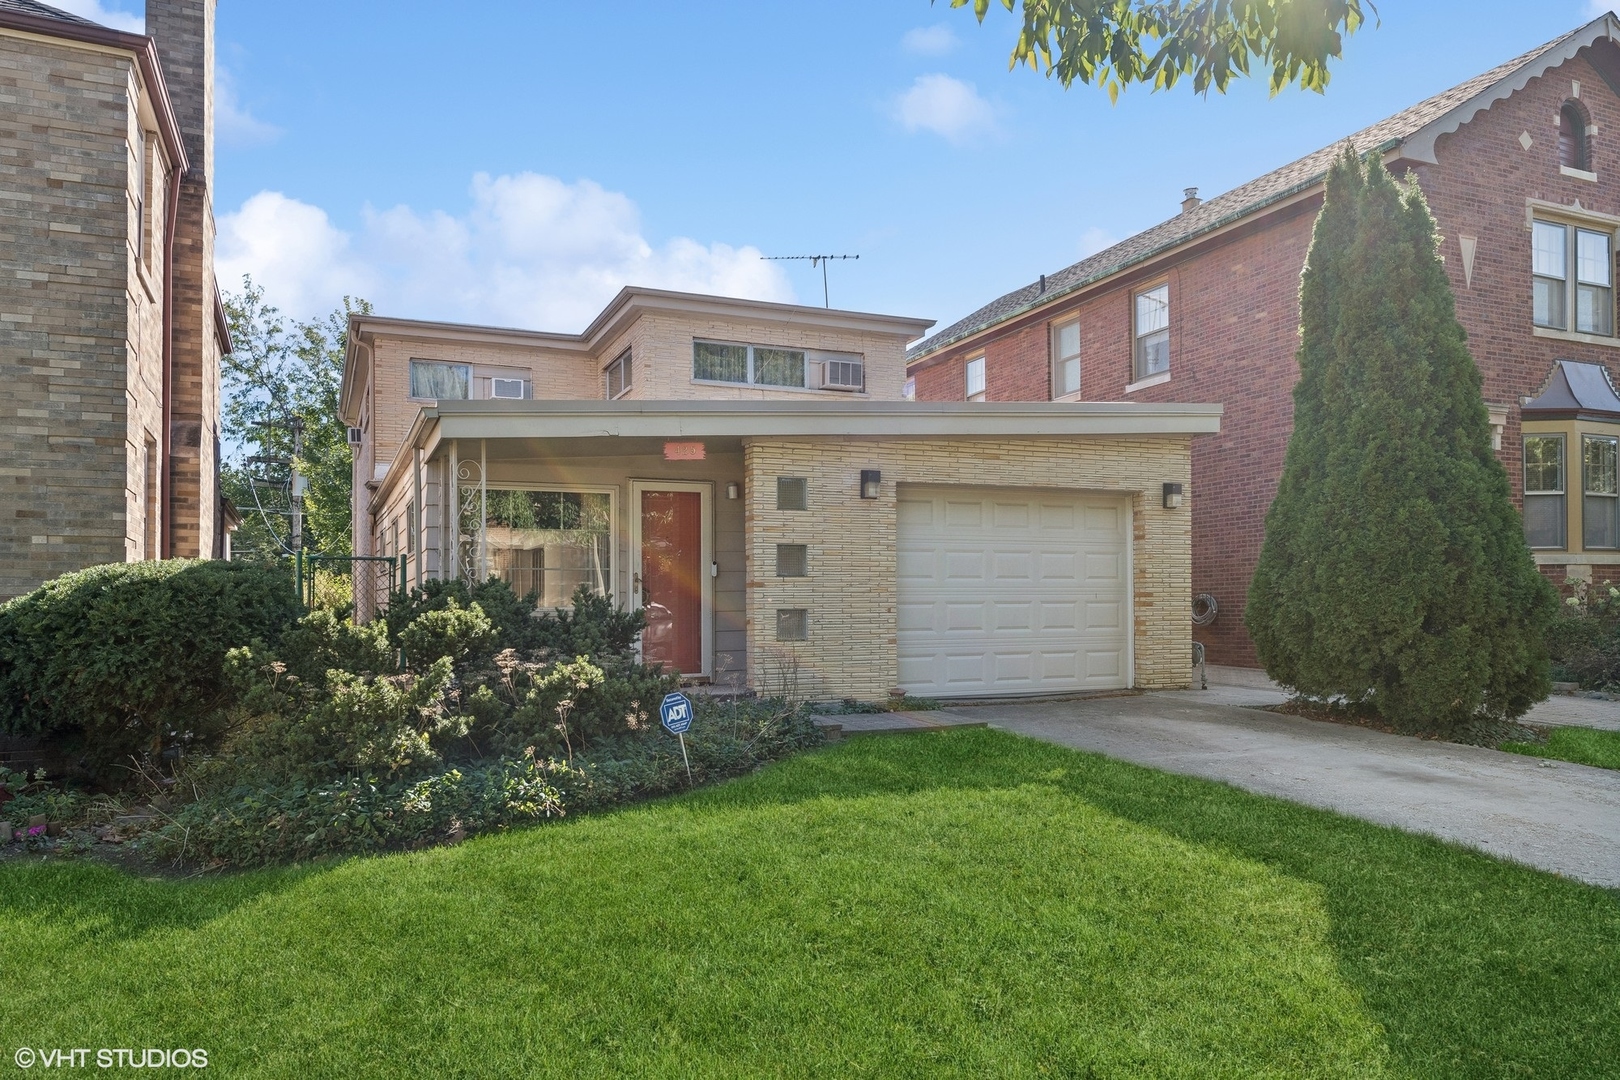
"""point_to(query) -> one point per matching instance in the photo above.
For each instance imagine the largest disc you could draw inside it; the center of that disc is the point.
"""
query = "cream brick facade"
(851, 592)
(90, 152)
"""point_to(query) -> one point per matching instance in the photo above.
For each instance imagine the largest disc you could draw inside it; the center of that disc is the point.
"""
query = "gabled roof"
(44, 11)
(1576, 389)
(1413, 131)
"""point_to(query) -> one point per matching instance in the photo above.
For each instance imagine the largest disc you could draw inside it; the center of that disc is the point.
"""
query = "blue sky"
(517, 162)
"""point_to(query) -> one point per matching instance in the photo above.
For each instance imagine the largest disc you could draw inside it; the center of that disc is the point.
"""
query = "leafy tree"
(1113, 43)
(1394, 572)
(280, 369)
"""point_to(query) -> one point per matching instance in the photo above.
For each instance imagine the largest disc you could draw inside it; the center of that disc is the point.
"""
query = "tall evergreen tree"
(1394, 571)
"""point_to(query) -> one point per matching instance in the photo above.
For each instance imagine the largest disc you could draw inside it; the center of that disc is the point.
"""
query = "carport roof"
(786, 419)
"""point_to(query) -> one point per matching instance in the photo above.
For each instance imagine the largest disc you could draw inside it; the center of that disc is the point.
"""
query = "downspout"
(165, 481)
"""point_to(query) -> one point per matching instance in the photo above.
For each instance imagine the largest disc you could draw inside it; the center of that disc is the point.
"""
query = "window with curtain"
(436, 380)
(549, 543)
(1152, 331)
(1066, 358)
(1544, 514)
(758, 365)
(1572, 278)
(1600, 504)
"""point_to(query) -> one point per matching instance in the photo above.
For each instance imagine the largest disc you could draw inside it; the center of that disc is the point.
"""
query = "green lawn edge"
(1581, 746)
(1409, 956)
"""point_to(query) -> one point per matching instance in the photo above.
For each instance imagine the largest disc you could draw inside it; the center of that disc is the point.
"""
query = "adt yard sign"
(676, 711)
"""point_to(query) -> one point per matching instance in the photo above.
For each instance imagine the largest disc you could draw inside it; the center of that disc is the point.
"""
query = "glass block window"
(792, 624)
(792, 560)
(1544, 515)
(792, 493)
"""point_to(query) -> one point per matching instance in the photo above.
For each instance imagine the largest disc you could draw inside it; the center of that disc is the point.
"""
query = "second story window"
(757, 365)
(1066, 359)
(1544, 515)
(435, 380)
(1572, 274)
(1151, 326)
(975, 379)
(618, 376)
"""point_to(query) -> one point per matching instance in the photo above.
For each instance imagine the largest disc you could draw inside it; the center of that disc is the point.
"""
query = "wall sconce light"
(871, 482)
(1172, 496)
(732, 490)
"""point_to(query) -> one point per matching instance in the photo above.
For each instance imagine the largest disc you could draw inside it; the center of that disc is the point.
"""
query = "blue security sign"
(676, 712)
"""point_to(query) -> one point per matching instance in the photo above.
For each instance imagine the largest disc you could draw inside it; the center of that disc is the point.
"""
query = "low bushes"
(1585, 638)
(127, 660)
(336, 746)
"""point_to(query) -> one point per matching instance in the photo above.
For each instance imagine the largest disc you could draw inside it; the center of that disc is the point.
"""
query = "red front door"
(672, 579)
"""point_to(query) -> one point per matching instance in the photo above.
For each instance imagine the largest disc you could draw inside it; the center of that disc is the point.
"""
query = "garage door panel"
(1003, 592)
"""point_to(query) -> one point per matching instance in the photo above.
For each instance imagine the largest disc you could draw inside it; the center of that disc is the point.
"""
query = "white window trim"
(1572, 281)
(968, 394)
(1578, 174)
(1152, 380)
(1057, 358)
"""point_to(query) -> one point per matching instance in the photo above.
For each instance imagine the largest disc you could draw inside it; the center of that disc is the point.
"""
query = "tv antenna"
(813, 260)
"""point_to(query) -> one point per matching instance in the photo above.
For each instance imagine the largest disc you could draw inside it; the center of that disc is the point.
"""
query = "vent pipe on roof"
(1043, 283)
(1189, 199)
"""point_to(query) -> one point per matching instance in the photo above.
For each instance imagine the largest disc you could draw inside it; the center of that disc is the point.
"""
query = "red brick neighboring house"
(1521, 167)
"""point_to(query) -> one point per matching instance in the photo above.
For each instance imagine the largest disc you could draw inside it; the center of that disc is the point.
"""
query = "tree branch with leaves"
(1115, 43)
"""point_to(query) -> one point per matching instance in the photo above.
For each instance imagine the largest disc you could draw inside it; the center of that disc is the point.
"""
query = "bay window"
(1600, 502)
(1544, 513)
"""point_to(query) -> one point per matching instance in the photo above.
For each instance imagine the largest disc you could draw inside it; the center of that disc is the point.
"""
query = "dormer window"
(1572, 141)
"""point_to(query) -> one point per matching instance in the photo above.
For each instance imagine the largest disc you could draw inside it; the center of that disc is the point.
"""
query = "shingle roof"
(43, 11)
(1255, 195)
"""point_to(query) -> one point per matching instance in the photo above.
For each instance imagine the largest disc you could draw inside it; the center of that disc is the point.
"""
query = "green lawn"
(1584, 746)
(956, 904)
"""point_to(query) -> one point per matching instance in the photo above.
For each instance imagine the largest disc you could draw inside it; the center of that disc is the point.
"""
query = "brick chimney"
(1190, 199)
(184, 33)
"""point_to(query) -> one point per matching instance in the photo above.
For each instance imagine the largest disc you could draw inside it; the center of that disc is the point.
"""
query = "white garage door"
(1011, 592)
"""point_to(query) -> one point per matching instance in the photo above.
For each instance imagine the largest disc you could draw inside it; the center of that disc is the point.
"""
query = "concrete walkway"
(1245, 686)
(1558, 817)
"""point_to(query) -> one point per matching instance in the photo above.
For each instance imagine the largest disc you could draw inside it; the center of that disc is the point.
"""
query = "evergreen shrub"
(127, 660)
(1394, 572)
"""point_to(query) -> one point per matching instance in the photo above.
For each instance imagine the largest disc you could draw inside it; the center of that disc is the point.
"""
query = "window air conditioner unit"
(843, 375)
(354, 436)
(506, 388)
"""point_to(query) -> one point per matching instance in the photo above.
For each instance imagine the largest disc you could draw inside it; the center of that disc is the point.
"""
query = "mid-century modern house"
(111, 327)
(750, 475)
(1521, 168)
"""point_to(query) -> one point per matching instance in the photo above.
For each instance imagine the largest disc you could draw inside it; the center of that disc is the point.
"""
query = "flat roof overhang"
(526, 425)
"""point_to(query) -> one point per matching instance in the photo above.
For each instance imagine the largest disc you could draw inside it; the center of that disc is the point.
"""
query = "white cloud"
(532, 251)
(945, 106)
(94, 10)
(233, 123)
(1094, 240)
(929, 40)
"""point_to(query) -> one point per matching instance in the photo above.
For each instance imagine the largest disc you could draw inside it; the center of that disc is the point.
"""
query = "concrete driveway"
(1558, 817)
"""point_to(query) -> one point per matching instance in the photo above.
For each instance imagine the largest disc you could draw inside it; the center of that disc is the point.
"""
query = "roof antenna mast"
(813, 260)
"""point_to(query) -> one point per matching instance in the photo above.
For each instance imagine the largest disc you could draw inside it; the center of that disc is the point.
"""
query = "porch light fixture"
(732, 490)
(1172, 496)
(871, 481)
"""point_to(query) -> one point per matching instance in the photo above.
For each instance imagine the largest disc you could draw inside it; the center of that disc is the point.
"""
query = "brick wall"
(1235, 317)
(73, 362)
(851, 592)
